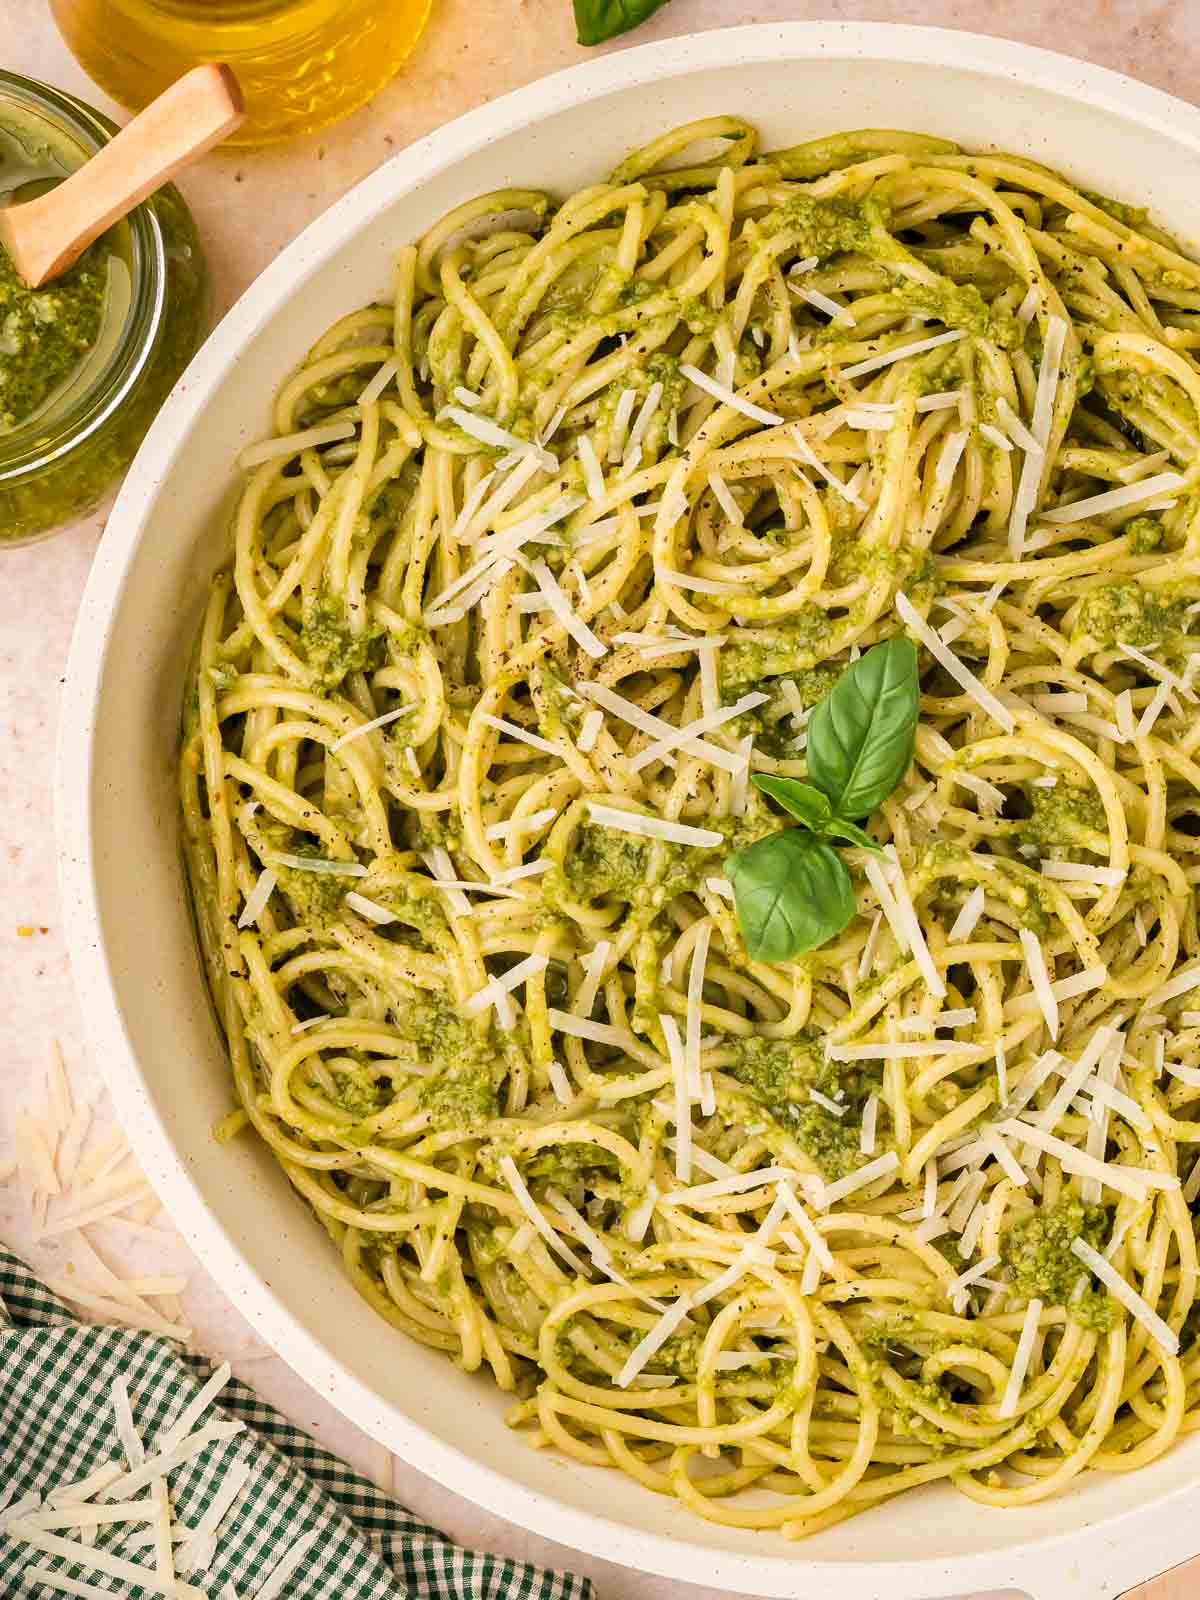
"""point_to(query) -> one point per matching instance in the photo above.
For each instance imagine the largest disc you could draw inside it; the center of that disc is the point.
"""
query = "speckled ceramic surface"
(249, 207)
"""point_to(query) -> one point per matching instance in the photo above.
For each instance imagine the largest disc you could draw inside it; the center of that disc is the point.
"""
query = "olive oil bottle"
(301, 63)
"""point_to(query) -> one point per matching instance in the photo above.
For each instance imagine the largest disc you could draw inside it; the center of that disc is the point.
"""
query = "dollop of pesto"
(809, 637)
(312, 897)
(565, 1164)
(56, 340)
(1037, 1251)
(1146, 533)
(460, 1092)
(46, 333)
(331, 647)
(1130, 613)
(780, 1075)
(1064, 815)
(356, 1091)
(606, 862)
(960, 305)
(835, 226)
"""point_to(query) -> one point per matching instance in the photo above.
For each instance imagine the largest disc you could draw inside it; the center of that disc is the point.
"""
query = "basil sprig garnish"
(597, 20)
(791, 890)
(860, 736)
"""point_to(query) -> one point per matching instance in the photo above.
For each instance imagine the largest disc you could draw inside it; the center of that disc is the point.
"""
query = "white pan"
(140, 981)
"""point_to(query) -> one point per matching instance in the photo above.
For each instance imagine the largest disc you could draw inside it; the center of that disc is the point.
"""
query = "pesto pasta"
(552, 555)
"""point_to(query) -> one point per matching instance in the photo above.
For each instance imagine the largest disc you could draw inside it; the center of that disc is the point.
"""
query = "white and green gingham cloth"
(57, 1425)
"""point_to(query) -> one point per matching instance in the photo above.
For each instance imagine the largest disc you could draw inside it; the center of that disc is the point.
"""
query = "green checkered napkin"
(57, 1425)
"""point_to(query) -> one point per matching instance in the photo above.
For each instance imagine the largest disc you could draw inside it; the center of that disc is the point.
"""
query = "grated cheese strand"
(1163, 1336)
(726, 396)
(1016, 1375)
(945, 657)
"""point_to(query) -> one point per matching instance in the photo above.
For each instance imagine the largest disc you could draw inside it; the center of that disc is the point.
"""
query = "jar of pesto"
(87, 360)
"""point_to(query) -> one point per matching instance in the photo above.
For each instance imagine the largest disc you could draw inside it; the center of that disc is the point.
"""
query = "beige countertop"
(248, 206)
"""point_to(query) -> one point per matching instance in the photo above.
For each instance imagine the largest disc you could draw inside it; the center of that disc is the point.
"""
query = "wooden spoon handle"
(1179, 1583)
(200, 109)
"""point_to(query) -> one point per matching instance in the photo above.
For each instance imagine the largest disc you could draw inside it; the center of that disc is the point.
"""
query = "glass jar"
(60, 457)
(301, 63)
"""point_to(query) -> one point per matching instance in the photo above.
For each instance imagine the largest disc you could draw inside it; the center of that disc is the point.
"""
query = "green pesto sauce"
(911, 1423)
(779, 1075)
(1146, 534)
(313, 897)
(805, 640)
(418, 903)
(817, 157)
(357, 1092)
(772, 734)
(1014, 882)
(679, 1356)
(1130, 613)
(1132, 216)
(606, 862)
(564, 1165)
(852, 556)
(901, 1335)
(461, 1096)
(564, 708)
(1064, 815)
(46, 333)
(960, 306)
(1037, 1250)
(834, 226)
(461, 1090)
(331, 648)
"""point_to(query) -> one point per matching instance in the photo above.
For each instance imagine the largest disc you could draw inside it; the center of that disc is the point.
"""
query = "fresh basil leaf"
(861, 735)
(597, 20)
(840, 828)
(791, 891)
(800, 800)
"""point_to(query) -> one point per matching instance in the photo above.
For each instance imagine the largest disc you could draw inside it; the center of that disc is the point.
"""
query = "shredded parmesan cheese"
(1039, 977)
(727, 397)
(1020, 1366)
(1098, 505)
(561, 607)
(901, 353)
(653, 827)
(945, 657)
(291, 444)
(533, 1211)
(368, 727)
(853, 1181)
(1127, 1295)
(646, 1348)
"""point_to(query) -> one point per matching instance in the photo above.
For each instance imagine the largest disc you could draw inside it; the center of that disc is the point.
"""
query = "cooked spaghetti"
(550, 555)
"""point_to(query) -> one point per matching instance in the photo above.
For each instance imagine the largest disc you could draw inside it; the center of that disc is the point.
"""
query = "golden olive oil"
(301, 63)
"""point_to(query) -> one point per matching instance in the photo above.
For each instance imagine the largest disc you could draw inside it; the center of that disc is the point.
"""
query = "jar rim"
(112, 384)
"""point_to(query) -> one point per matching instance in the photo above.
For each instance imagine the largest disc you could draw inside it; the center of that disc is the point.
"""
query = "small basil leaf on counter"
(800, 800)
(791, 891)
(861, 735)
(840, 828)
(597, 20)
